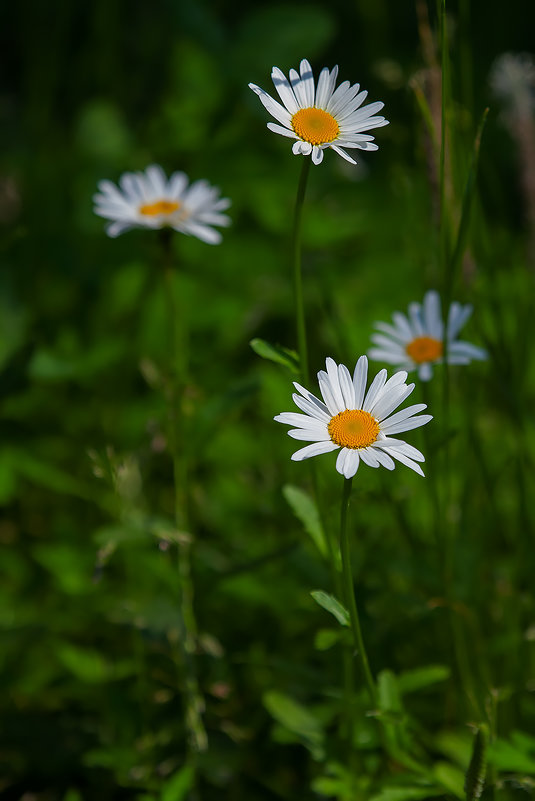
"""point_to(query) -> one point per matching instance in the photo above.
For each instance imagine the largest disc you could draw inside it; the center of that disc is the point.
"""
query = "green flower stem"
(349, 592)
(197, 739)
(333, 552)
(297, 272)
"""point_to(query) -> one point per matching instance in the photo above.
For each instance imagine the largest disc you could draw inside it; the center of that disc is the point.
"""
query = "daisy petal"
(317, 155)
(313, 450)
(347, 462)
(312, 435)
(377, 384)
(403, 414)
(284, 90)
(396, 454)
(360, 376)
(343, 154)
(425, 371)
(280, 130)
(369, 457)
(406, 425)
(301, 420)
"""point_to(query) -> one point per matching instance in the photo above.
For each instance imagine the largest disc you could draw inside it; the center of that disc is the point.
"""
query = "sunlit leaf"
(178, 786)
(332, 605)
(306, 511)
(411, 680)
(277, 354)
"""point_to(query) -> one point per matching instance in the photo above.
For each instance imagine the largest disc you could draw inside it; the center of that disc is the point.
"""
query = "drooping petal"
(314, 450)
(347, 462)
(317, 155)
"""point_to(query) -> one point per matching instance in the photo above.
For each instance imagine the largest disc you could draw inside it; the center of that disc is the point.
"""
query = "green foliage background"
(91, 705)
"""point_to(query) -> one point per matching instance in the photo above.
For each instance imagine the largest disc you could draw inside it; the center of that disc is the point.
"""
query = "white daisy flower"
(320, 117)
(416, 341)
(360, 423)
(150, 200)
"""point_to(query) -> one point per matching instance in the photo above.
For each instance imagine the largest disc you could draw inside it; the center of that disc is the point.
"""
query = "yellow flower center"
(315, 125)
(353, 428)
(424, 349)
(159, 207)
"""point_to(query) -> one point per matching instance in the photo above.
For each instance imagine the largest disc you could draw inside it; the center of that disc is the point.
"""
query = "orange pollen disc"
(353, 428)
(315, 125)
(159, 207)
(424, 349)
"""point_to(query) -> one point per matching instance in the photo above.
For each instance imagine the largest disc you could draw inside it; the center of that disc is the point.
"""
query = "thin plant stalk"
(300, 319)
(448, 262)
(349, 592)
(333, 552)
(197, 739)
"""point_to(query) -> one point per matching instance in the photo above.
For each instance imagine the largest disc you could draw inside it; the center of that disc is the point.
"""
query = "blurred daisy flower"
(322, 116)
(151, 200)
(360, 423)
(512, 79)
(416, 341)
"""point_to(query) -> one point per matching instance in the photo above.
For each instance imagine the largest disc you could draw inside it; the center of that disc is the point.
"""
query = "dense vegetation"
(92, 662)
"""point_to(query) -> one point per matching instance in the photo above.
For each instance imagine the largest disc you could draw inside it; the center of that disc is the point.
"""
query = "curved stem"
(297, 272)
(349, 590)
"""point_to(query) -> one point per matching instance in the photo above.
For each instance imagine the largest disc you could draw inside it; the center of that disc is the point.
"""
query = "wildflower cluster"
(357, 422)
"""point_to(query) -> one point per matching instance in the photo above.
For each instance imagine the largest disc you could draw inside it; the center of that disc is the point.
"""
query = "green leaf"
(90, 665)
(332, 605)
(477, 769)
(506, 756)
(277, 354)
(71, 567)
(450, 777)
(417, 679)
(525, 742)
(306, 511)
(407, 793)
(326, 638)
(179, 785)
(389, 696)
(48, 475)
(456, 745)
(86, 664)
(296, 718)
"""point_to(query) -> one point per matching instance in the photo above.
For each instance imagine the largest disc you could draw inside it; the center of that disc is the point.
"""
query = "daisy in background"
(151, 200)
(359, 423)
(320, 117)
(416, 341)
